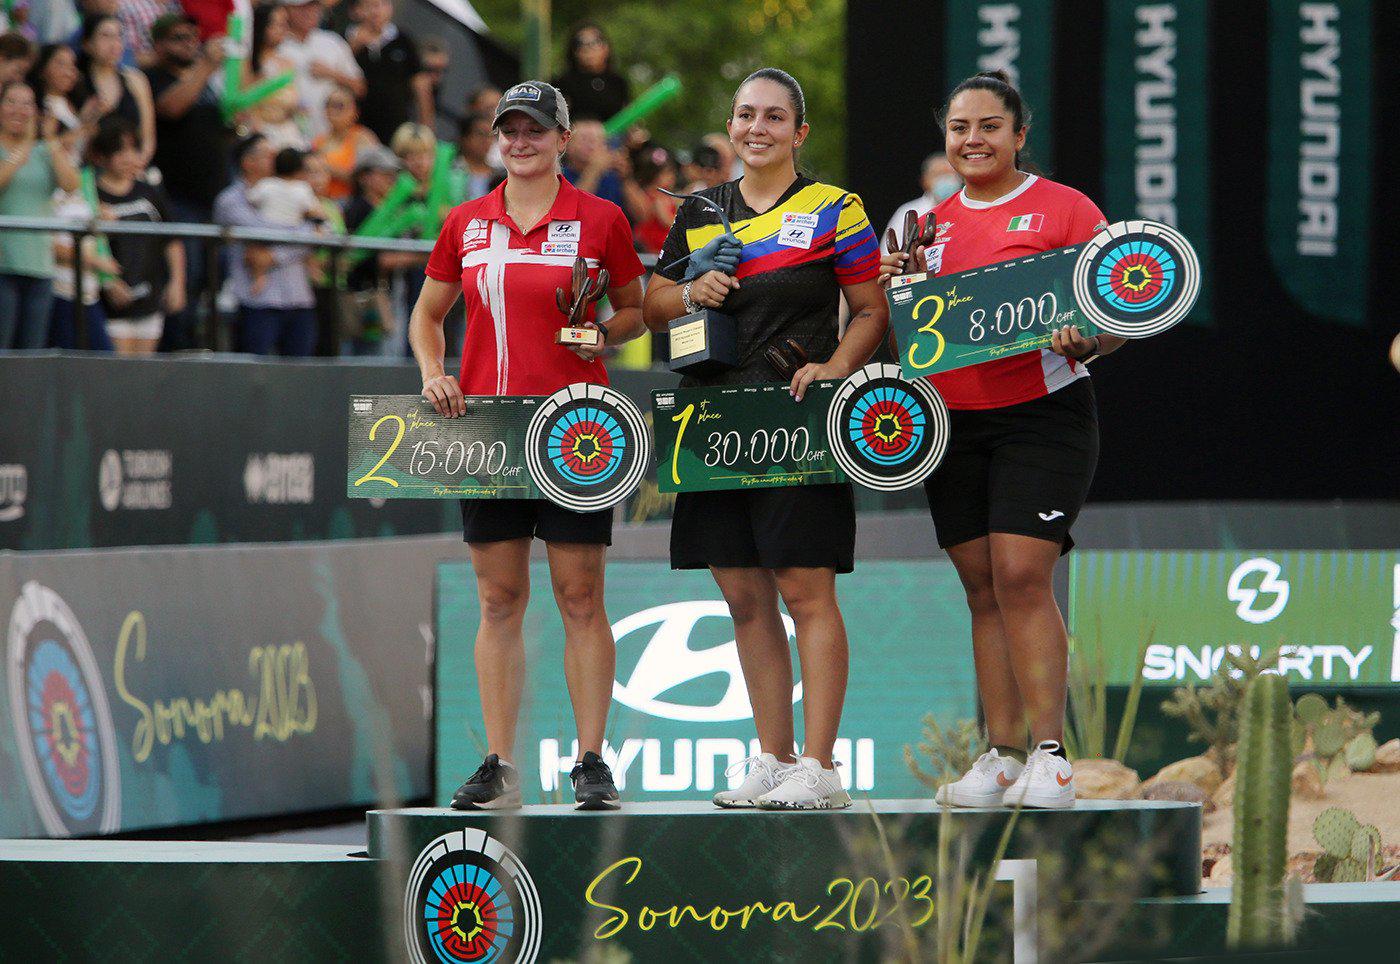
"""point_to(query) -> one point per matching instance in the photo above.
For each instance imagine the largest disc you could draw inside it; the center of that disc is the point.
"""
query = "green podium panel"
(137, 900)
(686, 881)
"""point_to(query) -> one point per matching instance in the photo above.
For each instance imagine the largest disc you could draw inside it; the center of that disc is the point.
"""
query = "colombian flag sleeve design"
(857, 248)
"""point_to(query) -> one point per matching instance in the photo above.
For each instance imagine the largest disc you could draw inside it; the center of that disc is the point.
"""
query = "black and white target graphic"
(587, 447)
(469, 899)
(887, 433)
(1137, 278)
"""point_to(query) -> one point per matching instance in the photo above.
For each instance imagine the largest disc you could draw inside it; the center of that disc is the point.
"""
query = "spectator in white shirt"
(323, 61)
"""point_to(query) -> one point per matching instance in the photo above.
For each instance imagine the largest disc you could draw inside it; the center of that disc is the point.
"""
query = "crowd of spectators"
(119, 108)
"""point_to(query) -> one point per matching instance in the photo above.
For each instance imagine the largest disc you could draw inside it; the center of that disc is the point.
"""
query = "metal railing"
(220, 237)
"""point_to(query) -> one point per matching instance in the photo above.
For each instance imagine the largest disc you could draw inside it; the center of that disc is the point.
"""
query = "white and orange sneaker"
(1047, 781)
(982, 786)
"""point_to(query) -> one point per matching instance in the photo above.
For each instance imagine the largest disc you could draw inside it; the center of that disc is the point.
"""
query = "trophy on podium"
(586, 290)
(705, 341)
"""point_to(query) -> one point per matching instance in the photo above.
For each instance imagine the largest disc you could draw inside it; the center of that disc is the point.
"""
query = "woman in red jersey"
(1024, 444)
(506, 253)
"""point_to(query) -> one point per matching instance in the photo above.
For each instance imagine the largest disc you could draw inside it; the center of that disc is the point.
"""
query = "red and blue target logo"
(586, 445)
(470, 899)
(1136, 276)
(67, 745)
(886, 424)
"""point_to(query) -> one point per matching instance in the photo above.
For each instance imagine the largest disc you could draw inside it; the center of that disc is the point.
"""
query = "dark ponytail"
(997, 82)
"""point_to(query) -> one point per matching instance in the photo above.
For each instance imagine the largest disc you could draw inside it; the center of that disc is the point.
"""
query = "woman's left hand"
(814, 372)
(1069, 342)
(174, 298)
(585, 352)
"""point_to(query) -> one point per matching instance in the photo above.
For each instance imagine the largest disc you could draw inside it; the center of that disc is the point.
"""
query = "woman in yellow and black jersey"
(798, 246)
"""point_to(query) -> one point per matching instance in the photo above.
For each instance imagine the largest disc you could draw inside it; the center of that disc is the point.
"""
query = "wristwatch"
(690, 306)
(1093, 352)
(603, 328)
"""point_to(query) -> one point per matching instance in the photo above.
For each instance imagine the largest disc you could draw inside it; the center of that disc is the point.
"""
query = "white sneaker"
(1047, 781)
(806, 786)
(765, 772)
(984, 784)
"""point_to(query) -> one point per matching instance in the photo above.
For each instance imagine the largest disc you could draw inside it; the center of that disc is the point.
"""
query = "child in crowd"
(151, 281)
(286, 199)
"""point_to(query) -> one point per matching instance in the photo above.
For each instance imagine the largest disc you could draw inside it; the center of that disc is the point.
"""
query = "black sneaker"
(494, 786)
(593, 784)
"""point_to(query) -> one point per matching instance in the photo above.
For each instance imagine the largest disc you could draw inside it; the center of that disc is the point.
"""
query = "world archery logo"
(67, 745)
(469, 899)
(1136, 278)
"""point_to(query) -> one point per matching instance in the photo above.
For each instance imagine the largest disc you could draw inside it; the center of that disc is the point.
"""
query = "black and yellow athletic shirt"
(795, 257)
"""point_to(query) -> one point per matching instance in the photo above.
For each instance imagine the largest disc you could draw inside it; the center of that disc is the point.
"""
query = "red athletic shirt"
(508, 281)
(1040, 215)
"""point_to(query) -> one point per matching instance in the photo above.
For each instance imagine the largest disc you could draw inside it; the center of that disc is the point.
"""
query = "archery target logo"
(587, 447)
(1137, 278)
(887, 433)
(63, 723)
(469, 899)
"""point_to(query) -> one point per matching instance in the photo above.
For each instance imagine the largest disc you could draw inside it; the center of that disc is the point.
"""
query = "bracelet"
(690, 306)
(603, 328)
(1093, 352)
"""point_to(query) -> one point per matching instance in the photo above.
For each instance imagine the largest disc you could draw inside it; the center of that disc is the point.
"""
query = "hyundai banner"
(680, 719)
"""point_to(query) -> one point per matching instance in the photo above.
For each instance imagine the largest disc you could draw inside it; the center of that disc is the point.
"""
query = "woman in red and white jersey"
(506, 253)
(1023, 447)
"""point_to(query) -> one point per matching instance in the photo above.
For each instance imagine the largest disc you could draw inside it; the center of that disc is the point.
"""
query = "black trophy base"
(703, 342)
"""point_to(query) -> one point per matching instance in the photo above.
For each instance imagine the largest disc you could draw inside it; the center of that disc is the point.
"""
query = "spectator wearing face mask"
(939, 183)
(591, 85)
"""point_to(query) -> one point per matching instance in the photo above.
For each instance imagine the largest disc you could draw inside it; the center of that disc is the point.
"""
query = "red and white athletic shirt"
(1038, 216)
(508, 281)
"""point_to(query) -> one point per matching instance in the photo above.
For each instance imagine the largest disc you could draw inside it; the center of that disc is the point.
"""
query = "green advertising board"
(1155, 111)
(1319, 125)
(1012, 35)
(680, 715)
(1336, 614)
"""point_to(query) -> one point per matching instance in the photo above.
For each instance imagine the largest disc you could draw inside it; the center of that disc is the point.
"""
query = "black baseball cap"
(537, 100)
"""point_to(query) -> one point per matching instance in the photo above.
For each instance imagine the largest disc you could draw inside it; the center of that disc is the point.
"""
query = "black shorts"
(808, 526)
(497, 520)
(1024, 469)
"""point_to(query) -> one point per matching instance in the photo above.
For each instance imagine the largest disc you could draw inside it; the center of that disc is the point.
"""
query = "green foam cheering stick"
(236, 98)
(659, 93)
(89, 189)
(439, 191)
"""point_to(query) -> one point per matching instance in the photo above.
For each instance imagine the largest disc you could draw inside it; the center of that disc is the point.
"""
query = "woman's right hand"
(710, 289)
(892, 263)
(446, 395)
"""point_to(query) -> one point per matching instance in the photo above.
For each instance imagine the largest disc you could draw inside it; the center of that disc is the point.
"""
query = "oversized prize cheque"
(1133, 279)
(873, 428)
(585, 448)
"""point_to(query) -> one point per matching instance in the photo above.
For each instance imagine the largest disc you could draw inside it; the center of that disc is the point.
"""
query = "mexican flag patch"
(1026, 222)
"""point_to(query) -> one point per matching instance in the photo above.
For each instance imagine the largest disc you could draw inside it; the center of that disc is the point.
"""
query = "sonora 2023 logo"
(63, 723)
(470, 899)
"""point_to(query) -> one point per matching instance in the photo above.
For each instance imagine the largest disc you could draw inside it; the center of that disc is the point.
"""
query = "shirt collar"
(390, 33)
(565, 207)
(1010, 195)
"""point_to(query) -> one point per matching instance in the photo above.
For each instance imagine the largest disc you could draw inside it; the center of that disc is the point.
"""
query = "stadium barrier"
(98, 451)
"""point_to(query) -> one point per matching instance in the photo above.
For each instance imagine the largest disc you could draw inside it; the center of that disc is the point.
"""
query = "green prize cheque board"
(1133, 279)
(743, 436)
(585, 448)
(401, 448)
(874, 428)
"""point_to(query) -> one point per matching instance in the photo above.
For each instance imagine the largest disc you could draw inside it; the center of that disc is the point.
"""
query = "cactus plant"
(1361, 752)
(1310, 708)
(1262, 788)
(1351, 849)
